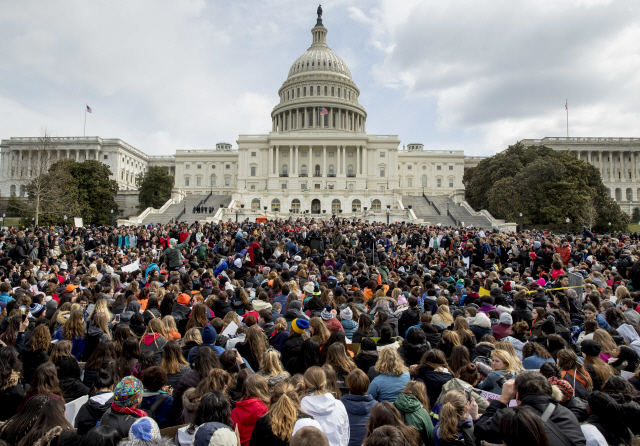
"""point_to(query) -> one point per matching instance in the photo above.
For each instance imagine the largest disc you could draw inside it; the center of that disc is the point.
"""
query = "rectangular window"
(226, 181)
(284, 185)
(382, 171)
(338, 92)
(186, 181)
(351, 186)
(106, 157)
(285, 154)
(298, 91)
(439, 182)
(450, 183)
(350, 154)
(228, 166)
(253, 186)
(410, 182)
(303, 186)
(311, 91)
(331, 91)
(253, 154)
(382, 155)
(198, 181)
(331, 186)
(318, 90)
(409, 167)
(331, 154)
(304, 91)
(317, 154)
(439, 168)
(325, 91)
(187, 166)
(199, 166)
(317, 186)
(381, 187)
(303, 154)
(253, 171)
(450, 167)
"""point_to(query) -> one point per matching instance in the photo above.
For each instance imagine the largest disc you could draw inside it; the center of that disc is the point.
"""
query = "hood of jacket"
(358, 404)
(162, 441)
(349, 324)
(250, 410)
(149, 338)
(517, 343)
(62, 317)
(321, 405)
(191, 399)
(94, 331)
(101, 400)
(628, 333)
(407, 403)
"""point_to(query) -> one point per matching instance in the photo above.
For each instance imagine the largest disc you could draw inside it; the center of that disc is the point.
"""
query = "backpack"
(150, 409)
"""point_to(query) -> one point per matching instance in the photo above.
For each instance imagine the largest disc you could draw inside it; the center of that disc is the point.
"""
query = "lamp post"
(236, 214)
(65, 219)
(366, 184)
(388, 213)
(111, 217)
(567, 220)
(521, 221)
(609, 227)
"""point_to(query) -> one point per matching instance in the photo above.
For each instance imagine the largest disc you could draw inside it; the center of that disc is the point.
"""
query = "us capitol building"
(318, 158)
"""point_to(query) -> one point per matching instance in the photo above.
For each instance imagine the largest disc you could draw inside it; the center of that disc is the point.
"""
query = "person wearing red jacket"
(255, 396)
(329, 319)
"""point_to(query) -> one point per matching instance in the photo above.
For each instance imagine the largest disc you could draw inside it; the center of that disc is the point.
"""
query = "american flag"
(88, 109)
(323, 111)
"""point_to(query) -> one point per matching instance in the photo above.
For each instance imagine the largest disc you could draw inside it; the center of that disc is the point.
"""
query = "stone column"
(277, 172)
(365, 156)
(270, 161)
(358, 170)
(324, 161)
(634, 176)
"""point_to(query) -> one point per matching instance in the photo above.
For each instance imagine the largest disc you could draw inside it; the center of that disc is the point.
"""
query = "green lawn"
(634, 228)
(11, 221)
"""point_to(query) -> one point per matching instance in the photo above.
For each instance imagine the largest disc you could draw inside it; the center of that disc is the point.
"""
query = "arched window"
(213, 179)
(285, 170)
(350, 169)
(335, 206)
(618, 194)
(317, 169)
(275, 205)
(295, 206)
(255, 204)
(331, 169)
(376, 205)
(304, 169)
(424, 181)
(13, 190)
(629, 194)
(23, 191)
(356, 206)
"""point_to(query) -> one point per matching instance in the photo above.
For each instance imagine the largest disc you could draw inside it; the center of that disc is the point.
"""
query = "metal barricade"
(576, 279)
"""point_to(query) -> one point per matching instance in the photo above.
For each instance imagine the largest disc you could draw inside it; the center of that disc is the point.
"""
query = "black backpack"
(150, 409)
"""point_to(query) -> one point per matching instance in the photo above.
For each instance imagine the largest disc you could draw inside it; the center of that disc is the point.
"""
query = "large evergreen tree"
(547, 186)
(154, 187)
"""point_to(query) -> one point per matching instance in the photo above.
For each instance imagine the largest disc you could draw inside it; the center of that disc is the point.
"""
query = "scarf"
(128, 411)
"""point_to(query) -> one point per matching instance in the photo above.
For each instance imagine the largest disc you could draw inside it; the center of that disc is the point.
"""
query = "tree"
(34, 169)
(96, 192)
(547, 186)
(154, 187)
(635, 215)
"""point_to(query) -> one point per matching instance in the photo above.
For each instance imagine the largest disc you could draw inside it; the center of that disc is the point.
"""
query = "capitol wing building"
(317, 159)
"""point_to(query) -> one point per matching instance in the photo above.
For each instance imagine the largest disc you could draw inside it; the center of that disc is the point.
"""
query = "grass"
(11, 221)
(634, 228)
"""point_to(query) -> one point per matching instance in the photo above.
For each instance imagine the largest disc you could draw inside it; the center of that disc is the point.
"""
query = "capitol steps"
(433, 210)
(188, 204)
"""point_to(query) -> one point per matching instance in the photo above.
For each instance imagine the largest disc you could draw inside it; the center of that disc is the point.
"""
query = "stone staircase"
(434, 208)
(427, 212)
(188, 204)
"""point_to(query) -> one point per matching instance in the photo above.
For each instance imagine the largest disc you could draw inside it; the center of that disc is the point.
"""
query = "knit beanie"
(482, 320)
(590, 347)
(308, 288)
(327, 314)
(36, 309)
(295, 305)
(299, 325)
(144, 428)
(505, 318)
(347, 314)
(214, 434)
(564, 385)
(128, 392)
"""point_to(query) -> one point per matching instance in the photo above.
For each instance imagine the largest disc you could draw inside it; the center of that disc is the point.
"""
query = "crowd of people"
(312, 333)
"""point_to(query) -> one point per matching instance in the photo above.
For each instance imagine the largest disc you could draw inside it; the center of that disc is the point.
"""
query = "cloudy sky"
(474, 75)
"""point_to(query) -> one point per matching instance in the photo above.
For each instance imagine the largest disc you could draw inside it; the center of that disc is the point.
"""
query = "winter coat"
(522, 315)
(458, 384)
(465, 435)
(77, 344)
(409, 318)
(433, 380)
(190, 402)
(155, 343)
(174, 378)
(487, 427)
(349, 328)
(164, 414)
(279, 340)
(630, 336)
(188, 381)
(90, 413)
(119, 421)
(534, 362)
(220, 308)
(263, 434)
(245, 351)
(412, 353)
(480, 331)
(359, 335)
(366, 359)
(73, 389)
(11, 394)
(245, 415)
(481, 349)
(387, 387)
(332, 416)
(413, 414)
(31, 360)
(358, 409)
(501, 331)
(291, 347)
(490, 383)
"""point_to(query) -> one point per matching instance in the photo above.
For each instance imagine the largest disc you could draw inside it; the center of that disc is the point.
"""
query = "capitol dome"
(319, 92)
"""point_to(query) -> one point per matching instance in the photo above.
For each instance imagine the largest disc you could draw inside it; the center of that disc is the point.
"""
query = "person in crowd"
(520, 426)
(11, 383)
(413, 404)
(254, 404)
(433, 370)
(19, 425)
(385, 414)
(214, 407)
(154, 339)
(127, 397)
(599, 370)
(91, 412)
(391, 376)
(74, 331)
(358, 405)
(534, 355)
(51, 427)
(173, 363)
(502, 369)
(455, 424)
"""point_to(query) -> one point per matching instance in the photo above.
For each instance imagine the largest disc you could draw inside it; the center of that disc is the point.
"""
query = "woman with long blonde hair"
(454, 423)
(73, 330)
(508, 347)
(335, 423)
(253, 347)
(393, 376)
(318, 330)
(154, 339)
(171, 329)
(38, 353)
(272, 369)
(442, 317)
(255, 403)
(606, 342)
(503, 366)
(277, 426)
(100, 307)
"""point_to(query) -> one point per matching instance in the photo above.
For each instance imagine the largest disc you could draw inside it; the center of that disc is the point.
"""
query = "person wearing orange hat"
(181, 309)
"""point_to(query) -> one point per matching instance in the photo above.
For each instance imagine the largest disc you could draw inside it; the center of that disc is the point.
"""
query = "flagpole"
(84, 133)
(567, 107)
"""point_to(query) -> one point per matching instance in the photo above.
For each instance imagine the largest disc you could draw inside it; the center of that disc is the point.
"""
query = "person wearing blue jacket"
(393, 376)
(282, 298)
(358, 405)
(534, 355)
(5, 287)
(221, 265)
(153, 380)
(209, 336)
(348, 324)
(73, 330)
